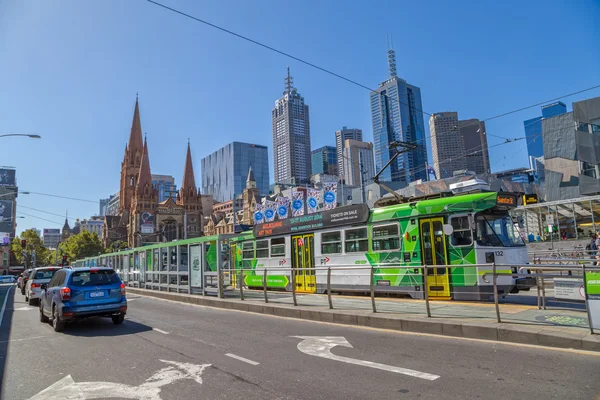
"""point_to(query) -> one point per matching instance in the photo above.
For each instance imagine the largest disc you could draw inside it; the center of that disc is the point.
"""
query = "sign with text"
(6, 215)
(7, 177)
(195, 272)
(509, 200)
(4, 238)
(147, 225)
(592, 295)
(348, 215)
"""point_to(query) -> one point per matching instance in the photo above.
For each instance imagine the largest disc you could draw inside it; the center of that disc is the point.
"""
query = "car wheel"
(118, 319)
(31, 301)
(43, 318)
(57, 324)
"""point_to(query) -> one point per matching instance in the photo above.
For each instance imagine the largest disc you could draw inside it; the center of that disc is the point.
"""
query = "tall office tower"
(340, 137)
(325, 161)
(474, 139)
(447, 147)
(533, 128)
(359, 167)
(291, 137)
(397, 115)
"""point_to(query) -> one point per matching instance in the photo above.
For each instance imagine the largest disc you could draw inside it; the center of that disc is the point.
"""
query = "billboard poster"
(6, 215)
(297, 203)
(147, 223)
(283, 205)
(7, 177)
(258, 214)
(312, 202)
(330, 195)
(4, 238)
(592, 295)
(270, 207)
(195, 269)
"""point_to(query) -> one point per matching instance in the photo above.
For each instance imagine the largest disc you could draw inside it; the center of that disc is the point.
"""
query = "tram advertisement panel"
(592, 294)
(354, 214)
(195, 273)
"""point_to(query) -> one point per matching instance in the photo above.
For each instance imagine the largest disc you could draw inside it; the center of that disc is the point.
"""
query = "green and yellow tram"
(447, 234)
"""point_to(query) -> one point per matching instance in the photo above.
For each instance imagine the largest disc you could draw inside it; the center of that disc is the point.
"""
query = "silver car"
(37, 277)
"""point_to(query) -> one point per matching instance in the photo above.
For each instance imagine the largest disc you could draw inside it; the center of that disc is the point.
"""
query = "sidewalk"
(520, 323)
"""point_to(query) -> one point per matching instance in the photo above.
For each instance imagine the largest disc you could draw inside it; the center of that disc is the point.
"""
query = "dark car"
(81, 293)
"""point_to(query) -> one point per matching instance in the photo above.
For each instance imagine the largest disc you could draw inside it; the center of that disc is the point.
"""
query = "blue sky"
(70, 70)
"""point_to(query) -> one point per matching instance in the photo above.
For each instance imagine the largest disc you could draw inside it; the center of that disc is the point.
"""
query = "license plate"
(96, 294)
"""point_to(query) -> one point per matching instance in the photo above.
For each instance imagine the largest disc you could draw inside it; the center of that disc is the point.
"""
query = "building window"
(590, 170)
(356, 240)
(462, 231)
(331, 242)
(277, 247)
(386, 238)
(248, 250)
(262, 249)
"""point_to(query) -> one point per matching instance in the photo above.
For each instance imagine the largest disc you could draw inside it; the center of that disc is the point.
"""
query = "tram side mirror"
(471, 221)
(448, 229)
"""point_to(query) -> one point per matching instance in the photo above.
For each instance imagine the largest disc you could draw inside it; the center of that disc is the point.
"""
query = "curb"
(502, 332)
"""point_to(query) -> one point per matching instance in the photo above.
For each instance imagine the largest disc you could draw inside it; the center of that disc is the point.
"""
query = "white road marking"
(242, 359)
(20, 340)
(24, 309)
(67, 388)
(4, 305)
(160, 331)
(320, 346)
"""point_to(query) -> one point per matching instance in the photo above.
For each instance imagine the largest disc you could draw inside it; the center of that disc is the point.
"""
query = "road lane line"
(160, 331)
(20, 340)
(4, 305)
(242, 359)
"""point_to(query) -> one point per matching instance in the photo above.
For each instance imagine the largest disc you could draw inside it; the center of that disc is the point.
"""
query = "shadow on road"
(103, 327)
(5, 327)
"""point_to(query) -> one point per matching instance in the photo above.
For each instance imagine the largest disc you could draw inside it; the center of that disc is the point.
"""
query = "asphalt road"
(166, 350)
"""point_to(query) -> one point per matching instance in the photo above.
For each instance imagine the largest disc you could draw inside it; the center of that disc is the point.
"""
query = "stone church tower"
(250, 196)
(144, 202)
(190, 199)
(130, 167)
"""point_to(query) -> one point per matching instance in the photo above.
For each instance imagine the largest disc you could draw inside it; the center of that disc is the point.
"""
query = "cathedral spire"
(145, 177)
(135, 136)
(188, 172)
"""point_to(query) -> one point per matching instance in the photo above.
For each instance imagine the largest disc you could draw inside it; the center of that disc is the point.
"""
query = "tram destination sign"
(347, 215)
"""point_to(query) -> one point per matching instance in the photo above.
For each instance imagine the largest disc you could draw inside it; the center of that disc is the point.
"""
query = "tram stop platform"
(559, 325)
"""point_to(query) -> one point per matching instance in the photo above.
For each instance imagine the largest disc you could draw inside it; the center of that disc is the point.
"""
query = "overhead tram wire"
(43, 219)
(62, 197)
(283, 53)
(43, 211)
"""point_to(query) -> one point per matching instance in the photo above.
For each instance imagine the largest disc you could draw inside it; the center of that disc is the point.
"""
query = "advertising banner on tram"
(195, 272)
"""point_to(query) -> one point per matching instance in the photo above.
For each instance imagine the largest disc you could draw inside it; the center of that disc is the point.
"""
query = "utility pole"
(362, 178)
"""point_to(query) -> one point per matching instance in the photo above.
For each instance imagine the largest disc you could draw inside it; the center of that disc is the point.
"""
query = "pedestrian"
(591, 248)
(597, 243)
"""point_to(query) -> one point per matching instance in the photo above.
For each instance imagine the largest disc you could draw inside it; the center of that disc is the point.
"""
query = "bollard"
(329, 288)
(372, 287)
(293, 272)
(425, 291)
(220, 283)
(265, 285)
(543, 292)
(242, 284)
(496, 293)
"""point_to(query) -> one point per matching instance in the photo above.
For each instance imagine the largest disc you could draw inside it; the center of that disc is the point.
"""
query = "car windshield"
(45, 274)
(497, 230)
(94, 278)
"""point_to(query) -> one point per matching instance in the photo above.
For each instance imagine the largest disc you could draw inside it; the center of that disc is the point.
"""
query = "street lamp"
(30, 135)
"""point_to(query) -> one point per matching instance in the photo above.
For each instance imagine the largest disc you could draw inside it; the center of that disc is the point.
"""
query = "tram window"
(331, 243)
(462, 232)
(277, 247)
(386, 238)
(262, 249)
(248, 250)
(356, 240)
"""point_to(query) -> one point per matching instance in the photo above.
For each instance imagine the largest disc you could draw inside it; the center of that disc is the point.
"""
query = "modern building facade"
(396, 112)
(291, 137)
(325, 161)
(103, 207)
(166, 186)
(359, 163)
(533, 128)
(51, 238)
(224, 172)
(92, 225)
(474, 139)
(112, 208)
(340, 137)
(447, 147)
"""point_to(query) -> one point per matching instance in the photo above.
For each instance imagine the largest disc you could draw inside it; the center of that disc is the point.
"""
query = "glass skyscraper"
(325, 161)
(396, 112)
(165, 184)
(340, 137)
(225, 171)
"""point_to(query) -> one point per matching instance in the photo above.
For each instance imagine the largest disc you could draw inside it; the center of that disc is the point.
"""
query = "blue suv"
(83, 293)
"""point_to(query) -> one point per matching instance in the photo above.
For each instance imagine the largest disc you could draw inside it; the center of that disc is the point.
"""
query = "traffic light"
(23, 243)
(64, 261)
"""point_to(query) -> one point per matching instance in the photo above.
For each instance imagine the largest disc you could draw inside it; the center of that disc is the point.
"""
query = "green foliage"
(35, 245)
(82, 245)
(116, 246)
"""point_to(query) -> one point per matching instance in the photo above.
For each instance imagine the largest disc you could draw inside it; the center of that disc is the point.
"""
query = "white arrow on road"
(320, 346)
(67, 388)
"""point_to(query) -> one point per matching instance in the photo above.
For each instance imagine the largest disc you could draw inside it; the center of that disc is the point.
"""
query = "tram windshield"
(497, 230)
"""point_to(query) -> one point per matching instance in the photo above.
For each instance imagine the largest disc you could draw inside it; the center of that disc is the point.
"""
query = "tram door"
(303, 262)
(434, 254)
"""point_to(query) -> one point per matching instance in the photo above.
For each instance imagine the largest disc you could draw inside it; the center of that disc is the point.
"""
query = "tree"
(34, 246)
(82, 245)
(116, 246)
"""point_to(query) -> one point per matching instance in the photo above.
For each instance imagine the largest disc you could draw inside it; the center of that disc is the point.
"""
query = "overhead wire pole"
(406, 147)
